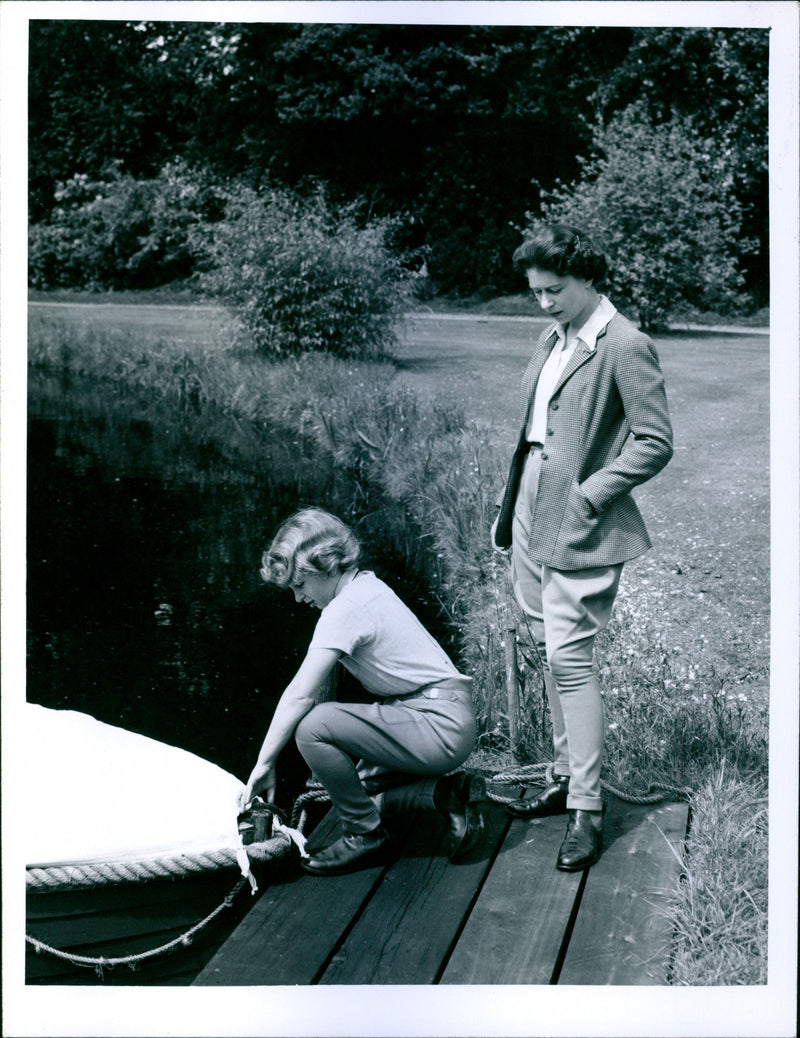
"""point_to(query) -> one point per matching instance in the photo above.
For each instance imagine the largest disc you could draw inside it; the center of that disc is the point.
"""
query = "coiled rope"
(315, 793)
(655, 793)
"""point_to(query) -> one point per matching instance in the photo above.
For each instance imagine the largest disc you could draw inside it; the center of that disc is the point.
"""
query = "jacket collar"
(592, 329)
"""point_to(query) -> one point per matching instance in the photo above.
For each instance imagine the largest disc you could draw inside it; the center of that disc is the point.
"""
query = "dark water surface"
(144, 603)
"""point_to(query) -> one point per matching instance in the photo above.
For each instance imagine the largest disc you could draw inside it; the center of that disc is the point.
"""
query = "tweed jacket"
(608, 431)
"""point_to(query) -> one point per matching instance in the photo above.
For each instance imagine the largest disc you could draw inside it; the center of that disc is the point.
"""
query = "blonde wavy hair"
(308, 542)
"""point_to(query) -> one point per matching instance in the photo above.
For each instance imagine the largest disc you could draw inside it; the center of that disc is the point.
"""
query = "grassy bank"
(683, 663)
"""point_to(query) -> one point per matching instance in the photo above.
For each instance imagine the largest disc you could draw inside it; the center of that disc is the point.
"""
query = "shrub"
(120, 232)
(660, 200)
(303, 277)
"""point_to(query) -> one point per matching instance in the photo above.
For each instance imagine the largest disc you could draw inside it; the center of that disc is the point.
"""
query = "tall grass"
(674, 717)
(719, 910)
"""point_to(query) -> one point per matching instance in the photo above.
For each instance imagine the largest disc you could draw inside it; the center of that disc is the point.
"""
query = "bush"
(302, 277)
(660, 200)
(120, 232)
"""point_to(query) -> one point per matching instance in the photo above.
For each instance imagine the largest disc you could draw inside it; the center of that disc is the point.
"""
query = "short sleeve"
(342, 625)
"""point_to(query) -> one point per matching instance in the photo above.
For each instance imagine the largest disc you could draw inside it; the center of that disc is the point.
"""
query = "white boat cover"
(104, 794)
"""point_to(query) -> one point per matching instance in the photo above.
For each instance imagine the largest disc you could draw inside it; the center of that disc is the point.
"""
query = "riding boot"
(456, 797)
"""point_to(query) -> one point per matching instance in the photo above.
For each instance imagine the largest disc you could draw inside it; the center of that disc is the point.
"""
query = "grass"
(719, 911)
(684, 662)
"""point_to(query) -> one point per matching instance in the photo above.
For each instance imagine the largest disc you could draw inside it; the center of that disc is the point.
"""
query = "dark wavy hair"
(310, 541)
(563, 250)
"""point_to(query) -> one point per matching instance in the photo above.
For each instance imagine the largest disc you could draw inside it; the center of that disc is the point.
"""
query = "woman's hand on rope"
(262, 782)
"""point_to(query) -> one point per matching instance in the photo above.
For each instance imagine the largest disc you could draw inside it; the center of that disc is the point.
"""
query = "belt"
(446, 689)
(530, 445)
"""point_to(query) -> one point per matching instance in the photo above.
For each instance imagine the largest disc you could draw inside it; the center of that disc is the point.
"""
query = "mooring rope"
(73, 877)
(100, 963)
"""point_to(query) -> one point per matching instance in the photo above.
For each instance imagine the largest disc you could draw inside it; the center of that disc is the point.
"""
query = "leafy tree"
(660, 200)
(447, 123)
(126, 95)
(120, 231)
(302, 276)
(720, 78)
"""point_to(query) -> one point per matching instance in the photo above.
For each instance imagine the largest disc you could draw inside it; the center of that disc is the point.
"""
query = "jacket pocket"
(581, 526)
(580, 503)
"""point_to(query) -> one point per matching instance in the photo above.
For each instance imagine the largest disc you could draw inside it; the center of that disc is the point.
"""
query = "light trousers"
(359, 750)
(567, 610)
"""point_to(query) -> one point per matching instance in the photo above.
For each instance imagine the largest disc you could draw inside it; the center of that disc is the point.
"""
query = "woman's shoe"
(458, 798)
(552, 800)
(349, 853)
(582, 844)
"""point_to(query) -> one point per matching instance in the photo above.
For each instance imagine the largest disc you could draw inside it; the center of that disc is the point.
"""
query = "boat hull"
(129, 919)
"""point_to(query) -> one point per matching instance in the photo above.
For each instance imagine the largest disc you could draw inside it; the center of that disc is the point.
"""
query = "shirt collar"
(596, 323)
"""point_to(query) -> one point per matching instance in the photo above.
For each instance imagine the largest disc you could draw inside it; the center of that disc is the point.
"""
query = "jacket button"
(554, 407)
(549, 432)
(543, 456)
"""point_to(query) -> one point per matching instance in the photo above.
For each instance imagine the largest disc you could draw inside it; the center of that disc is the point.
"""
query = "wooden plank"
(408, 927)
(620, 936)
(292, 931)
(516, 930)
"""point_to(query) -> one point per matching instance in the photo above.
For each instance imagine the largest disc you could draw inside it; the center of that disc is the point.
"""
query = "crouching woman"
(380, 758)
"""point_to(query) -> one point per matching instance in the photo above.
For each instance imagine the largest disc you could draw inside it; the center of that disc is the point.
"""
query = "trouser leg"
(526, 580)
(567, 610)
(577, 606)
(394, 738)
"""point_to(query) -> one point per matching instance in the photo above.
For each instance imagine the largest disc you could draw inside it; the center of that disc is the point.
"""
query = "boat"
(141, 866)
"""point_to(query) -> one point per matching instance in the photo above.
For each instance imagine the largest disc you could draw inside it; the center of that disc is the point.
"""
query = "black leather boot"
(458, 798)
(582, 844)
(552, 800)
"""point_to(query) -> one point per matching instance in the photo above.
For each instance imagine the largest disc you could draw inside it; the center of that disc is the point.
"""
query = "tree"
(719, 78)
(122, 231)
(660, 201)
(119, 96)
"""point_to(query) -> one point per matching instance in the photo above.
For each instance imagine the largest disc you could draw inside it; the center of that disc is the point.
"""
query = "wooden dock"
(504, 915)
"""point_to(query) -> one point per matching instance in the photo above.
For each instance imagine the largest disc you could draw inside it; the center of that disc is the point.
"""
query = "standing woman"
(595, 425)
(374, 759)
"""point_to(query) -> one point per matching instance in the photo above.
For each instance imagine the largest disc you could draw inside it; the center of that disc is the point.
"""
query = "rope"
(315, 793)
(101, 963)
(522, 776)
(654, 795)
(73, 877)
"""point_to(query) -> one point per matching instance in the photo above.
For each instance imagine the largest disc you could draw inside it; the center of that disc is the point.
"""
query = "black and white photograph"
(400, 571)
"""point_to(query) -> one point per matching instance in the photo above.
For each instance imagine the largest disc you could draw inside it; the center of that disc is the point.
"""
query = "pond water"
(144, 603)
